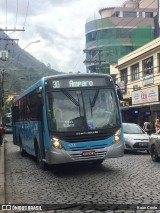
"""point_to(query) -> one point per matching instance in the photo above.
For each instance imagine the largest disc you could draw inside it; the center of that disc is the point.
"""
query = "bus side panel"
(16, 131)
(31, 136)
(29, 133)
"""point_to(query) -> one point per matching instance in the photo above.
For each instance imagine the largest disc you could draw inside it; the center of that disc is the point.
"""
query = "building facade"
(119, 31)
(139, 73)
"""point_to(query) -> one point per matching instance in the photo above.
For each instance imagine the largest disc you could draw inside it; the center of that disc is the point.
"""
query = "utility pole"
(1, 93)
(98, 53)
(4, 57)
(10, 30)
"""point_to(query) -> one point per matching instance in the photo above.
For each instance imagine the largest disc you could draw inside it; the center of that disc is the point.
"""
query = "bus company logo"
(87, 133)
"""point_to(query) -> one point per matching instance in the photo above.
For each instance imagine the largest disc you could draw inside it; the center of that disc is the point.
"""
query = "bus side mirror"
(119, 93)
(120, 96)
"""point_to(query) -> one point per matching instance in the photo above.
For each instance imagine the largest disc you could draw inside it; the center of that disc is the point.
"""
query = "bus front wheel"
(98, 162)
(41, 164)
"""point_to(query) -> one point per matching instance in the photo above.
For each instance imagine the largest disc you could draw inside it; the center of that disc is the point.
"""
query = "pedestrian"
(147, 128)
(2, 132)
(157, 125)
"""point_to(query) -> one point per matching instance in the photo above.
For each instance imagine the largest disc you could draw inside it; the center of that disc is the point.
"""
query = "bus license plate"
(142, 144)
(88, 153)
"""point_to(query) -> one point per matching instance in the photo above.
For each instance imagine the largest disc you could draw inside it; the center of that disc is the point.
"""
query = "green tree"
(7, 106)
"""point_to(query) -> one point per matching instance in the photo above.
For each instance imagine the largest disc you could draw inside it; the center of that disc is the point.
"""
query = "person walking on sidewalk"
(2, 132)
(147, 128)
(157, 126)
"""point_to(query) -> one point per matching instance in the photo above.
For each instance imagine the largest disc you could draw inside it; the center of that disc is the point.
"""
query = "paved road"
(132, 179)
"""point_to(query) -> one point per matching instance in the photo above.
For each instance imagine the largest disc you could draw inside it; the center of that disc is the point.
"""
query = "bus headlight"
(117, 136)
(56, 143)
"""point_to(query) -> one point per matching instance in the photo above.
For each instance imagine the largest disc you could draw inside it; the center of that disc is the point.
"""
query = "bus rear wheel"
(22, 151)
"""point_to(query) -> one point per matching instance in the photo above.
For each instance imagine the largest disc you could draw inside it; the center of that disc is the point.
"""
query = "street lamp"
(33, 42)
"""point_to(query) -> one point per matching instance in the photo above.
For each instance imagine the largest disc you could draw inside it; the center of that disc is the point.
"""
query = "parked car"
(135, 138)
(154, 146)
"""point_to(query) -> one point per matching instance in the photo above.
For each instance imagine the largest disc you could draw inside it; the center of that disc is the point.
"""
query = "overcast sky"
(58, 24)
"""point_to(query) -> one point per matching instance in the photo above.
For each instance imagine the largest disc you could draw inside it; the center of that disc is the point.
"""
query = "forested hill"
(21, 68)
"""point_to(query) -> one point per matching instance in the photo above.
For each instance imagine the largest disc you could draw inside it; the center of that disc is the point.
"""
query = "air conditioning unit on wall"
(3, 55)
(136, 87)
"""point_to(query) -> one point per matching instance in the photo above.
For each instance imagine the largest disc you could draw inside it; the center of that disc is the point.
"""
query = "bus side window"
(15, 113)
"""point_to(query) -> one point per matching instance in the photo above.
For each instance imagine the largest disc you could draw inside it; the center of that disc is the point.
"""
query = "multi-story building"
(119, 31)
(140, 73)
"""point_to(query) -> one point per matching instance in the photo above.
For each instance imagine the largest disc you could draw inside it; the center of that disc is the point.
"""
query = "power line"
(16, 15)
(26, 14)
(6, 14)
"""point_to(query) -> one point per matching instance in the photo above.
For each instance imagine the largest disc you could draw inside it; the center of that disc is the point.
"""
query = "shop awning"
(151, 105)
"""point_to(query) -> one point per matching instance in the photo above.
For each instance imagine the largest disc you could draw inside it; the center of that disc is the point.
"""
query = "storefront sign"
(145, 95)
(148, 79)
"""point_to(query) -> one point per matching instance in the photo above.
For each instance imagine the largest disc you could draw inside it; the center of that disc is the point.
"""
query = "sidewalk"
(2, 175)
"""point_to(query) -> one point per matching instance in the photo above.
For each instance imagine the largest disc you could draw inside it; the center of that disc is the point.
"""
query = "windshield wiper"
(95, 98)
(71, 98)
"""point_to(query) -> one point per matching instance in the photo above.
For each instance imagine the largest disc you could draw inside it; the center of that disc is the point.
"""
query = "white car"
(135, 138)
(154, 146)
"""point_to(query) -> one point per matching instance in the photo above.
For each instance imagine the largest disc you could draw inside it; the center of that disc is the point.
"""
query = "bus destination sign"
(73, 83)
(80, 82)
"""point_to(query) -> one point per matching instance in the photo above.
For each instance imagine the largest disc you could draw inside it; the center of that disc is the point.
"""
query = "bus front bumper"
(61, 156)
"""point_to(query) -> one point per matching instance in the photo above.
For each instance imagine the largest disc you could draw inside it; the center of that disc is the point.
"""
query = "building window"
(91, 36)
(124, 75)
(158, 68)
(116, 14)
(135, 72)
(124, 78)
(148, 66)
(149, 14)
(129, 14)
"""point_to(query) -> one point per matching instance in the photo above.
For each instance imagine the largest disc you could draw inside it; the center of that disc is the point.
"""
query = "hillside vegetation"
(21, 69)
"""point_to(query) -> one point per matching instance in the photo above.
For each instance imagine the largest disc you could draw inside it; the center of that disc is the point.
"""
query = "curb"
(2, 175)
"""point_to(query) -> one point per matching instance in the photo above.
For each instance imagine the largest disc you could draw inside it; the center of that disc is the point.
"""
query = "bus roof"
(58, 76)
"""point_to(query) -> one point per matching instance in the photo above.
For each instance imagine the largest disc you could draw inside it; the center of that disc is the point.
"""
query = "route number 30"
(56, 84)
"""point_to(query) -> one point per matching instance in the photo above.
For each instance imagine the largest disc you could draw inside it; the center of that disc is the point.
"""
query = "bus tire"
(98, 162)
(22, 151)
(41, 164)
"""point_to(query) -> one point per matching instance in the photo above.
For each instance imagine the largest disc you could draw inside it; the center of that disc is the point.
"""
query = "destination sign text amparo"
(80, 82)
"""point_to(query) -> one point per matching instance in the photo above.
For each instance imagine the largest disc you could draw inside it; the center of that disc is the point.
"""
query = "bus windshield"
(82, 110)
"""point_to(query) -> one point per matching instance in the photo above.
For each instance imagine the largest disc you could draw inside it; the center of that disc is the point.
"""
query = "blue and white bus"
(69, 118)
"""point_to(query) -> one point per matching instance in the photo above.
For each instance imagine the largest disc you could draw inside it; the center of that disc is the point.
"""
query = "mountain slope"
(21, 69)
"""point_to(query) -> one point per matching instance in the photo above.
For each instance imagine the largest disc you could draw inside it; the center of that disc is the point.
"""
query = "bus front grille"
(80, 156)
(86, 137)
